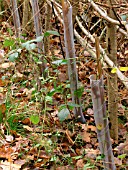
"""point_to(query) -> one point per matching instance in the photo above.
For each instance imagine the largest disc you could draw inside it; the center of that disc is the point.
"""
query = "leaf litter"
(44, 142)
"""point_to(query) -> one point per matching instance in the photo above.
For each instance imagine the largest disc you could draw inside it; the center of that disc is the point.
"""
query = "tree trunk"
(47, 27)
(1, 10)
(38, 30)
(16, 18)
(112, 78)
(75, 8)
(27, 15)
(71, 58)
(101, 121)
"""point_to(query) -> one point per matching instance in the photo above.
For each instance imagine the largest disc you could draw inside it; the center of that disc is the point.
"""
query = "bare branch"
(106, 17)
(105, 59)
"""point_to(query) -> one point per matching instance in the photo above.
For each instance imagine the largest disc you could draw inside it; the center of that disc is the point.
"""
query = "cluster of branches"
(122, 27)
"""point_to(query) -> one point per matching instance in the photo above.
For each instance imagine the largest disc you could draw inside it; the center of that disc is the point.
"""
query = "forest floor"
(32, 136)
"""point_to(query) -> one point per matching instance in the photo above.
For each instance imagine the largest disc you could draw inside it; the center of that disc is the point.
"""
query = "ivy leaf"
(31, 46)
(59, 62)
(63, 114)
(35, 119)
(39, 39)
(48, 99)
(124, 17)
(122, 156)
(47, 33)
(88, 166)
(100, 157)
(73, 104)
(8, 43)
(13, 56)
(79, 92)
(52, 92)
(77, 157)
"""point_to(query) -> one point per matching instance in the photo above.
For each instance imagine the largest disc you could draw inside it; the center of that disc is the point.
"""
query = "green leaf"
(35, 119)
(67, 86)
(13, 56)
(19, 50)
(39, 39)
(63, 114)
(73, 104)
(77, 157)
(88, 166)
(24, 35)
(36, 59)
(114, 70)
(53, 158)
(123, 68)
(124, 17)
(51, 93)
(48, 99)
(100, 157)
(62, 106)
(64, 62)
(10, 31)
(79, 92)
(24, 44)
(8, 43)
(31, 46)
(47, 33)
(22, 41)
(1, 116)
(4, 77)
(122, 156)
(59, 62)
(1, 13)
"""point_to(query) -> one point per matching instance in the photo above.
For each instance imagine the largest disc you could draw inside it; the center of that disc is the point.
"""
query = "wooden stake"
(99, 66)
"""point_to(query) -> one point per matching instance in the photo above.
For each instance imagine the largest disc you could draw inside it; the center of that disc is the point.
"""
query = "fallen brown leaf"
(86, 136)
(80, 163)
